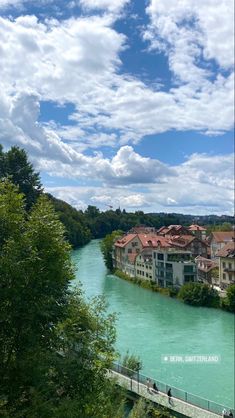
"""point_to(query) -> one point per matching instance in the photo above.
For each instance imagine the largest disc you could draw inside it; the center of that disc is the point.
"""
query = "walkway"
(187, 404)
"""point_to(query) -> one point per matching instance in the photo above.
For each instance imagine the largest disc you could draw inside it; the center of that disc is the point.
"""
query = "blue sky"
(122, 102)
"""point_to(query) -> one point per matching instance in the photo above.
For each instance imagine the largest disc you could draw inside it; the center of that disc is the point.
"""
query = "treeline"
(82, 226)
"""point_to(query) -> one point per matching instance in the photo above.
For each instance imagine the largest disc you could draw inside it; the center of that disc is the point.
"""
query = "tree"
(14, 165)
(107, 247)
(228, 303)
(54, 347)
(139, 410)
(132, 363)
(199, 294)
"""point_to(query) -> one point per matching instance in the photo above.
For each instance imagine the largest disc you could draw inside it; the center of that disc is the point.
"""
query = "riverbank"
(218, 303)
(150, 325)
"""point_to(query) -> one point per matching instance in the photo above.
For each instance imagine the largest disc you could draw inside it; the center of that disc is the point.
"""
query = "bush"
(199, 294)
(228, 303)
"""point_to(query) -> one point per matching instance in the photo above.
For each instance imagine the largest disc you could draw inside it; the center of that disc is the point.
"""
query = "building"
(218, 240)
(198, 231)
(142, 229)
(190, 243)
(173, 267)
(144, 265)
(226, 257)
(130, 245)
(173, 230)
(207, 270)
(125, 246)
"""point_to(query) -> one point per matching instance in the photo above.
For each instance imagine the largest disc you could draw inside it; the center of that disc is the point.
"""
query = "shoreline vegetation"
(194, 294)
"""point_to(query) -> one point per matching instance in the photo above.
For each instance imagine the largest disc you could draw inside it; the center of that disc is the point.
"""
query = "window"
(169, 266)
(147, 275)
(229, 266)
(188, 269)
(230, 276)
(224, 264)
(224, 276)
(129, 251)
(160, 256)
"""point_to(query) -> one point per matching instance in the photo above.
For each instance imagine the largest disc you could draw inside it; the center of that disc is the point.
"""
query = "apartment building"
(173, 267)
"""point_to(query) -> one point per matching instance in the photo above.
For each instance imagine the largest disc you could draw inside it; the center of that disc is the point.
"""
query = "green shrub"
(228, 303)
(199, 294)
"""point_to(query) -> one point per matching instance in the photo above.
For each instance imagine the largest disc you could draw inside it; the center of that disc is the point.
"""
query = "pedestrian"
(230, 414)
(148, 385)
(155, 388)
(169, 395)
(224, 413)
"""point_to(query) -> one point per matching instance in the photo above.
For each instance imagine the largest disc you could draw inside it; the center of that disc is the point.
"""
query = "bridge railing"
(177, 393)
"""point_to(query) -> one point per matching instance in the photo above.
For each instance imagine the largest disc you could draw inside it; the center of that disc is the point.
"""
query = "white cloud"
(109, 5)
(202, 185)
(186, 29)
(78, 61)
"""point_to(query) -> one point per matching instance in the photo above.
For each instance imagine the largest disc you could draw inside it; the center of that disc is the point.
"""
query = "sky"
(127, 103)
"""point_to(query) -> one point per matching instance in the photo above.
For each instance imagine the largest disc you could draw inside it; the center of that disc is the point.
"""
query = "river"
(151, 325)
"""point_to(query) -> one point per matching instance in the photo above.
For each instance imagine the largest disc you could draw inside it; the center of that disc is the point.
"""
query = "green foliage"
(15, 166)
(140, 409)
(132, 363)
(159, 412)
(199, 294)
(107, 247)
(228, 303)
(223, 227)
(54, 347)
(76, 230)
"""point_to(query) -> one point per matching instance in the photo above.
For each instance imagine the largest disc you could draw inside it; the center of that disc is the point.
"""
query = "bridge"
(183, 403)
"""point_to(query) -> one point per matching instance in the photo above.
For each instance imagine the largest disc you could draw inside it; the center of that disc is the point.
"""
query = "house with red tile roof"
(218, 240)
(190, 243)
(198, 231)
(124, 251)
(226, 256)
(207, 270)
(172, 230)
(129, 246)
(142, 229)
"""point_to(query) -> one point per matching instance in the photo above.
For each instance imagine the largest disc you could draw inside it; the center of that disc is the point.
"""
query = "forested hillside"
(82, 226)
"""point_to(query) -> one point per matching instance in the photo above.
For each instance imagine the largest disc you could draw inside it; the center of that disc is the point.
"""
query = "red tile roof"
(122, 242)
(205, 264)
(223, 236)
(196, 228)
(150, 240)
(227, 251)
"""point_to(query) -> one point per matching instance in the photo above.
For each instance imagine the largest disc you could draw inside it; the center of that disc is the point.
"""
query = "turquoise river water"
(151, 326)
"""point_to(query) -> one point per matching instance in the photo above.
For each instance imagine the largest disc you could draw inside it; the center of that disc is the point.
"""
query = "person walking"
(230, 414)
(155, 388)
(169, 395)
(148, 385)
(224, 413)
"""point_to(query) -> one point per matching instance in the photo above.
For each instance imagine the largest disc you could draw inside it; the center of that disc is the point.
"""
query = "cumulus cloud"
(78, 61)
(109, 5)
(202, 185)
(186, 29)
